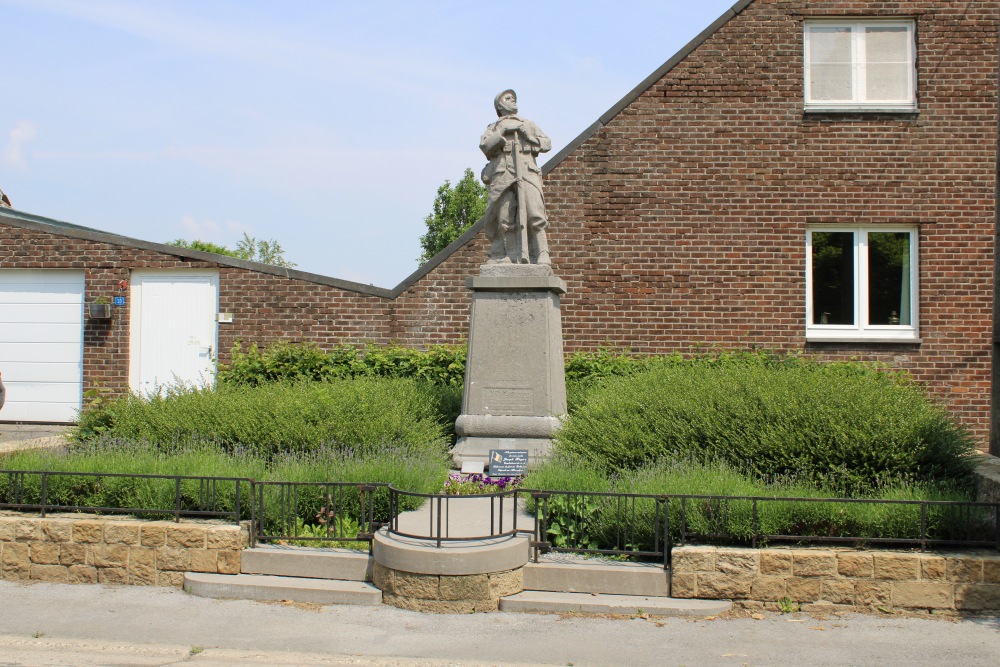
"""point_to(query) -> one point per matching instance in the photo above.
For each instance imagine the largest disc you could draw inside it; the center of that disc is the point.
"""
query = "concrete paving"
(267, 587)
(600, 603)
(55, 624)
(14, 437)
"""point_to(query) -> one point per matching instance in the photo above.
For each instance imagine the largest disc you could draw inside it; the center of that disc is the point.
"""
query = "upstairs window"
(860, 66)
(861, 284)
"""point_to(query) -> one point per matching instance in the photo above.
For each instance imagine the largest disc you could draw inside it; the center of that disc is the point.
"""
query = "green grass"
(421, 471)
(596, 522)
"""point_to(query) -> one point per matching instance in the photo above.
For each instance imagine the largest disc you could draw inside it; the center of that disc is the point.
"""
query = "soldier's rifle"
(522, 209)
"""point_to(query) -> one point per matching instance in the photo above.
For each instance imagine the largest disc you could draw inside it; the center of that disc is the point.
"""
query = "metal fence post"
(177, 499)
(44, 498)
(253, 513)
(923, 526)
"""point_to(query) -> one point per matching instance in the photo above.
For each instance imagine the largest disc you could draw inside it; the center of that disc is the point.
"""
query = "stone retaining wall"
(87, 549)
(893, 579)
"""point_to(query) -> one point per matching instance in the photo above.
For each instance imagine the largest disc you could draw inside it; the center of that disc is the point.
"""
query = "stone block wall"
(91, 549)
(893, 579)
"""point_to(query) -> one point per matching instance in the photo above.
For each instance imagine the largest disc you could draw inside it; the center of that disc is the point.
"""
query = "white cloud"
(227, 232)
(13, 153)
(248, 36)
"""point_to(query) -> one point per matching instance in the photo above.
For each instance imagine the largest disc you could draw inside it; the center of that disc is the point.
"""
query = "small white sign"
(473, 467)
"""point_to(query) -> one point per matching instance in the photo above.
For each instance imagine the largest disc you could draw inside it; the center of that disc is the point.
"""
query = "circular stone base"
(454, 557)
(446, 594)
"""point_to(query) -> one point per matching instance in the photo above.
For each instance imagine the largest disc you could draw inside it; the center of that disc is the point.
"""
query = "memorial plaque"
(508, 462)
(473, 468)
(508, 401)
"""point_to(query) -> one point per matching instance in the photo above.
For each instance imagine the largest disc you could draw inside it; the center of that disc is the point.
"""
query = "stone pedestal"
(515, 383)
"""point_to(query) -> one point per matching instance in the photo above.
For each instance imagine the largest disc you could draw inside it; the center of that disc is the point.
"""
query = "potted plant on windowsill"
(100, 309)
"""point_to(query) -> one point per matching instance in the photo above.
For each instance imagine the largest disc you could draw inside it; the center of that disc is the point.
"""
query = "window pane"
(888, 83)
(887, 45)
(833, 277)
(830, 82)
(889, 278)
(829, 45)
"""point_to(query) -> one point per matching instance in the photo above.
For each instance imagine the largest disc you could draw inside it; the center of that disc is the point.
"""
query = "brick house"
(815, 176)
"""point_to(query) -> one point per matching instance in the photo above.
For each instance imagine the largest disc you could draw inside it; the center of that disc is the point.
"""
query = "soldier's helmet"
(496, 100)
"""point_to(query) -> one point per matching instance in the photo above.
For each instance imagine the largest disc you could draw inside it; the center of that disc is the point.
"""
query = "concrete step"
(574, 574)
(266, 587)
(590, 603)
(307, 563)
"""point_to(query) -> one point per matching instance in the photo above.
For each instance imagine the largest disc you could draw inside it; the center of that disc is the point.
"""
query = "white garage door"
(41, 344)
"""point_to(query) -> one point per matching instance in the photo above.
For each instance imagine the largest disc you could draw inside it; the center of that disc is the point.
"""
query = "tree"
(248, 248)
(455, 210)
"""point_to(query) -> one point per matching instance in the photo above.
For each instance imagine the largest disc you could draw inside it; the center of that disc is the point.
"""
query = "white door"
(173, 330)
(41, 344)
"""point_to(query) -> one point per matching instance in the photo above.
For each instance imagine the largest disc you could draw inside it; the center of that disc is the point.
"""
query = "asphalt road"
(53, 624)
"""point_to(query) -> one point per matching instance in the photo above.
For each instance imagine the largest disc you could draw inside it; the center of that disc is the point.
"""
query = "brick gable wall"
(680, 225)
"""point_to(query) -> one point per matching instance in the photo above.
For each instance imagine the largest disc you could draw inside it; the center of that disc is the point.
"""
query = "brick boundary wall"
(936, 581)
(92, 549)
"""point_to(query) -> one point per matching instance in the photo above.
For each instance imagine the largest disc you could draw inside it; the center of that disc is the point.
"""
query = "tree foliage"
(248, 248)
(455, 210)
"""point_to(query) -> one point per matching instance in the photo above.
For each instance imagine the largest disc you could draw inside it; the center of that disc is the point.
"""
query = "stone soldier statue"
(515, 212)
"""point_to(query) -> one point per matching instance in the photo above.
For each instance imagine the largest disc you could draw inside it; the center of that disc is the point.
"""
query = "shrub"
(359, 415)
(286, 361)
(852, 426)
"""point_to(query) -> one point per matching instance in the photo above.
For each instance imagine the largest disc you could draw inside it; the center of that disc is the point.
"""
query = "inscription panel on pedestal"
(508, 401)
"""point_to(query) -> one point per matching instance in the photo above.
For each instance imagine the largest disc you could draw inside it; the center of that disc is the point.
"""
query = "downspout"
(995, 357)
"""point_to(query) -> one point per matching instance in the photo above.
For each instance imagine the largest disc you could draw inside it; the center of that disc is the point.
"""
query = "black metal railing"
(647, 527)
(610, 524)
(438, 525)
(317, 513)
(165, 496)
(637, 526)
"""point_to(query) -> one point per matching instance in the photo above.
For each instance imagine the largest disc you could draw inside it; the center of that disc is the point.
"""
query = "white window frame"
(861, 330)
(858, 103)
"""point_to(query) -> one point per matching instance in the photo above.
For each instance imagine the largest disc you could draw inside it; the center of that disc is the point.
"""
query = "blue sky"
(325, 125)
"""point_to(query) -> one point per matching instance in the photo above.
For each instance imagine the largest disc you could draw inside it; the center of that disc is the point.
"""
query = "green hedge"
(850, 426)
(291, 362)
(268, 420)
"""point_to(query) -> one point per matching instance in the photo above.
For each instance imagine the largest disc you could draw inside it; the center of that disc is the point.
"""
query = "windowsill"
(866, 340)
(912, 109)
